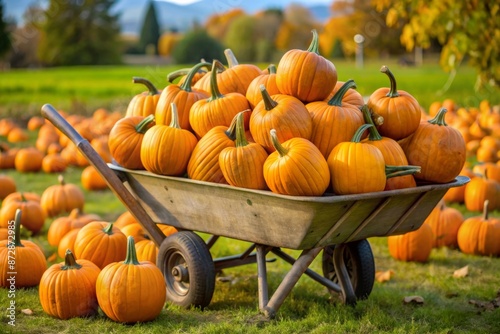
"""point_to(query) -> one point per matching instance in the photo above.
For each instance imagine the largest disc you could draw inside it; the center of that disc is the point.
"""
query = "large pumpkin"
(131, 291)
(306, 75)
(61, 198)
(480, 189)
(415, 246)
(445, 223)
(237, 77)
(33, 217)
(68, 289)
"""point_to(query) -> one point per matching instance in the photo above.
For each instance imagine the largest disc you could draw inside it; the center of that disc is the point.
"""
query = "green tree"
(150, 31)
(76, 32)
(240, 38)
(195, 45)
(5, 38)
(467, 29)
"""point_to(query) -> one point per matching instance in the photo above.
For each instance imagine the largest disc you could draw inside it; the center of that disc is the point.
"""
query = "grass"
(234, 307)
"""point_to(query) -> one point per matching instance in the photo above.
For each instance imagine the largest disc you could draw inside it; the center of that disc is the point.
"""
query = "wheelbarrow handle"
(113, 181)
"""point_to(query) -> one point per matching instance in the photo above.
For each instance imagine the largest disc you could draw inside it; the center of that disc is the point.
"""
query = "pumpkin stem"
(269, 103)
(23, 198)
(231, 58)
(439, 118)
(314, 46)
(271, 69)
(143, 125)
(393, 92)
(17, 229)
(176, 74)
(282, 151)
(186, 85)
(214, 88)
(374, 134)
(231, 130)
(393, 171)
(131, 257)
(70, 261)
(109, 229)
(174, 122)
(485, 209)
(60, 178)
(151, 88)
(336, 99)
(241, 139)
(359, 133)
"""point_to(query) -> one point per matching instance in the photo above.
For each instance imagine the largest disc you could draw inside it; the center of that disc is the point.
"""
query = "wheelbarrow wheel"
(360, 265)
(188, 269)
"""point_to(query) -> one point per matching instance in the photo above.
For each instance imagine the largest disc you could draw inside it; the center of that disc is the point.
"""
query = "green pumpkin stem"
(359, 133)
(174, 122)
(374, 134)
(439, 118)
(231, 130)
(108, 229)
(271, 69)
(269, 103)
(17, 229)
(282, 151)
(70, 261)
(151, 88)
(214, 88)
(336, 99)
(393, 92)
(485, 210)
(186, 85)
(131, 257)
(178, 73)
(314, 46)
(142, 127)
(393, 171)
(241, 139)
(231, 58)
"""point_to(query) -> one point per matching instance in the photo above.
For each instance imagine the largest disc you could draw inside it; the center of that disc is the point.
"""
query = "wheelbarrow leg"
(262, 276)
(343, 275)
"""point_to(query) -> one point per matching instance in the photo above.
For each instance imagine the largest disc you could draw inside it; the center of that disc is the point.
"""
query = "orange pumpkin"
(445, 224)
(237, 77)
(7, 186)
(253, 94)
(62, 225)
(33, 217)
(146, 250)
(415, 246)
(143, 104)
(124, 219)
(92, 180)
(54, 163)
(480, 189)
(28, 159)
(67, 242)
(61, 198)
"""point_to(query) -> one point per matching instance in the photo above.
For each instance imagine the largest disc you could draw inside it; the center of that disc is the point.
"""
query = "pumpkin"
(125, 219)
(334, 121)
(204, 82)
(7, 186)
(33, 217)
(204, 162)
(143, 104)
(393, 154)
(253, 93)
(35, 123)
(167, 229)
(67, 242)
(480, 235)
(6, 125)
(28, 258)
(166, 149)
(131, 291)
(61, 198)
(358, 167)
(54, 163)
(17, 135)
(184, 96)
(284, 113)
(242, 165)
(306, 75)
(8, 157)
(434, 145)
(457, 194)
(237, 77)
(62, 225)
(351, 96)
(492, 169)
(183, 72)
(445, 224)
(92, 180)
(146, 250)
(480, 189)
(28, 159)
(135, 230)
(68, 289)
(219, 109)
(4, 233)
(296, 168)
(415, 246)
(400, 110)
(101, 243)
(19, 195)
(125, 139)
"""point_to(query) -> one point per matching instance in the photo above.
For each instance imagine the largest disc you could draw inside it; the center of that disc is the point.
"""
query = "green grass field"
(447, 306)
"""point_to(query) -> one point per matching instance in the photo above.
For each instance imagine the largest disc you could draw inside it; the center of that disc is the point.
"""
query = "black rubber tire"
(188, 269)
(360, 264)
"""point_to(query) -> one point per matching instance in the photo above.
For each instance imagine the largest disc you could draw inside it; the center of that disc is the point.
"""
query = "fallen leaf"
(413, 300)
(27, 311)
(384, 276)
(487, 306)
(462, 272)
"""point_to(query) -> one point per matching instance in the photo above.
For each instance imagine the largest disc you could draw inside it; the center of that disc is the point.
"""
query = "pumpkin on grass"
(61, 198)
(54, 163)
(24, 265)
(67, 242)
(415, 246)
(62, 225)
(7, 186)
(445, 223)
(68, 289)
(28, 159)
(33, 217)
(480, 189)
(92, 180)
(131, 291)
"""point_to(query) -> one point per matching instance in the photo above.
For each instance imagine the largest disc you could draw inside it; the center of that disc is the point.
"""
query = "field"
(451, 304)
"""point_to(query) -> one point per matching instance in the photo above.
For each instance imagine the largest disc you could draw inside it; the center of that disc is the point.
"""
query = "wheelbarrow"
(337, 225)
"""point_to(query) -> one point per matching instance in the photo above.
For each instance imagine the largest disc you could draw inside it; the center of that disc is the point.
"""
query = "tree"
(78, 32)
(467, 29)
(195, 45)
(5, 38)
(150, 31)
(240, 37)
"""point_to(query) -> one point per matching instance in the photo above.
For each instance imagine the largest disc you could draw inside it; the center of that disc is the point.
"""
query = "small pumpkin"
(143, 104)
(146, 250)
(125, 219)
(33, 217)
(68, 289)
(136, 231)
(445, 224)
(28, 159)
(54, 163)
(92, 180)
(62, 225)
(415, 246)
(131, 291)
(480, 189)
(67, 242)
(17, 135)
(30, 262)
(457, 194)
(253, 93)
(296, 168)
(8, 157)
(237, 77)
(61, 198)
(7, 186)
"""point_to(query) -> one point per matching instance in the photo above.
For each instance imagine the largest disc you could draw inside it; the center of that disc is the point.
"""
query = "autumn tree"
(467, 29)
(78, 32)
(241, 39)
(295, 30)
(218, 24)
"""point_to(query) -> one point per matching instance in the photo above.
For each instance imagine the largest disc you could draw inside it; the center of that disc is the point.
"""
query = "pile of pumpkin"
(294, 130)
